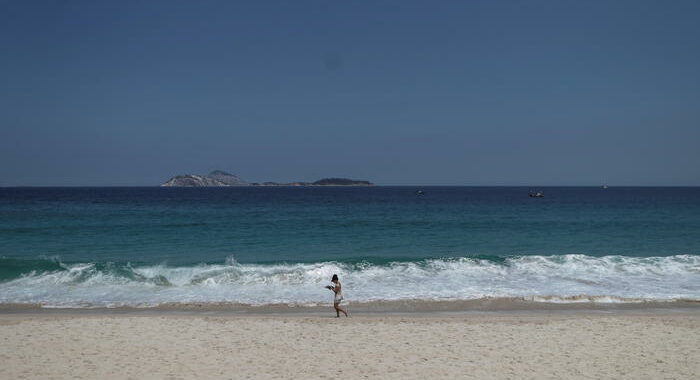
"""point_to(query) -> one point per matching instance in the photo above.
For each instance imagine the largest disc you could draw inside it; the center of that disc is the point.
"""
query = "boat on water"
(535, 194)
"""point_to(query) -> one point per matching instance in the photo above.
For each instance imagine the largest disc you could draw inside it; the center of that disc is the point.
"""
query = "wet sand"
(566, 343)
(413, 307)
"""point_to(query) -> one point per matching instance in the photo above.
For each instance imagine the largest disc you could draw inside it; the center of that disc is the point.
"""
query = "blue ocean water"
(149, 245)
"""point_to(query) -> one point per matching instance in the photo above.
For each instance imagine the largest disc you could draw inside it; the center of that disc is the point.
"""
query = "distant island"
(219, 178)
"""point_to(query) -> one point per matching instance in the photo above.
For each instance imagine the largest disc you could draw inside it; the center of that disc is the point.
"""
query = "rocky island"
(219, 178)
(341, 182)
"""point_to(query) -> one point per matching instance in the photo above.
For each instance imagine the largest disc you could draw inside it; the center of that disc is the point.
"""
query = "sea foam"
(558, 278)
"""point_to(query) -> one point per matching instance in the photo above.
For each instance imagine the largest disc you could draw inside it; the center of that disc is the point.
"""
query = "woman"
(338, 296)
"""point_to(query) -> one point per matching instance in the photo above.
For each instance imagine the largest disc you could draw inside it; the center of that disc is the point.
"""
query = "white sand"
(502, 346)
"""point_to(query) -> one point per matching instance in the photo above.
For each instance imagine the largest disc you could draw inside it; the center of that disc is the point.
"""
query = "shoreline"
(493, 306)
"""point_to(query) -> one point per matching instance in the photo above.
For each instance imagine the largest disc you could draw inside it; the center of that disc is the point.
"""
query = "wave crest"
(563, 278)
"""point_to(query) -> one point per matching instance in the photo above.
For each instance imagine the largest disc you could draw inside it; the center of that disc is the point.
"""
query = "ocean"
(150, 246)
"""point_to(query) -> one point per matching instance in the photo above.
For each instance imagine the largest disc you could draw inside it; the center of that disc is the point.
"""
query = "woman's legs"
(338, 310)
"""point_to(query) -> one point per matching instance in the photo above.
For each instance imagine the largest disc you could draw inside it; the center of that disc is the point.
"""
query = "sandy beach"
(663, 344)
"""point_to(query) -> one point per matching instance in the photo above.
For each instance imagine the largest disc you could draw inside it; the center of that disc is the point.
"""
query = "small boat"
(535, 194)
(420, 192)
(604, 187)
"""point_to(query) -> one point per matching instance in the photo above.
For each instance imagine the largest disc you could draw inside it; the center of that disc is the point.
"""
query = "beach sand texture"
(499, 346)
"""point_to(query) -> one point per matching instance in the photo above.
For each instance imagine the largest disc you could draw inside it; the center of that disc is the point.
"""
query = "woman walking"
(337, 289)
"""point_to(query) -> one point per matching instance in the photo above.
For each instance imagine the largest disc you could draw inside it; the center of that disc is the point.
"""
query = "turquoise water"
(151, 245)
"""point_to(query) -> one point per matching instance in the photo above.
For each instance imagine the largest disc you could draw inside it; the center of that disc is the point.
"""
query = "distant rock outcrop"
(283, 184)
(227, 178)
(320, 182)
(218, 178)
(340, 182)
(192, 180)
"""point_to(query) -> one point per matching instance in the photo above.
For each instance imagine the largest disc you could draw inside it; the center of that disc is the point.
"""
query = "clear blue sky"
(403, 92)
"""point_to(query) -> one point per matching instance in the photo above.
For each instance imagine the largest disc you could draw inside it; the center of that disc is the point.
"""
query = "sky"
(130, 93)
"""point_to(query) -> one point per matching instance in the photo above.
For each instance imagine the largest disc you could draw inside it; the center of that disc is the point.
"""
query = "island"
(216, 178)
(219, 178)
(340, 182)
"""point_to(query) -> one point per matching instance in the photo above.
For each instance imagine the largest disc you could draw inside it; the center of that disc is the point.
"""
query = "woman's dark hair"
(335, 277)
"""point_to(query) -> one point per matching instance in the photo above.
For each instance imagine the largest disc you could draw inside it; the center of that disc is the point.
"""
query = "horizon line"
(364, 186)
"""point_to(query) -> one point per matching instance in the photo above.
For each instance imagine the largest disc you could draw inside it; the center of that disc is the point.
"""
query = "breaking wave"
(557, 278)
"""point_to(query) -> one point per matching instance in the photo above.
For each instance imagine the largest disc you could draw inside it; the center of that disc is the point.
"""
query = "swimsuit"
(338, 296)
